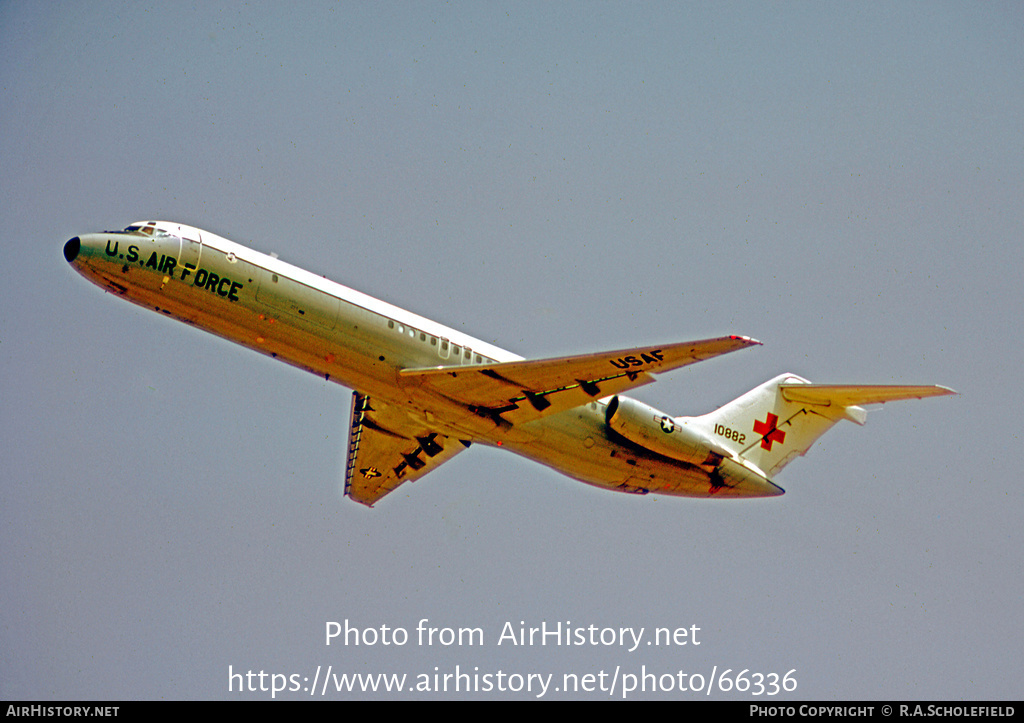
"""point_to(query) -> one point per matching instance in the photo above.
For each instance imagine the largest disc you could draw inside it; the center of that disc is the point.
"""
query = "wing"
(516, 392)
(387, 448)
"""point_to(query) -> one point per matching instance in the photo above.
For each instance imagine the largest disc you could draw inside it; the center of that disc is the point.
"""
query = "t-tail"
(772, 424)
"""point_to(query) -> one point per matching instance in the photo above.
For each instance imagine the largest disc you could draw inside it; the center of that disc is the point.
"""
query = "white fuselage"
(360, 342)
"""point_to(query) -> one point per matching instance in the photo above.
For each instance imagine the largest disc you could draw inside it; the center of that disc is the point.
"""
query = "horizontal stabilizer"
(846, 395)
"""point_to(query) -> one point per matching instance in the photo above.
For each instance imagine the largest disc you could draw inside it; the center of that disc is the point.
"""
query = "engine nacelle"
(658, 432)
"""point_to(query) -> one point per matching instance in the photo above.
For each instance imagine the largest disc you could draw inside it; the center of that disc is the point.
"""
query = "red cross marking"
(769, 432)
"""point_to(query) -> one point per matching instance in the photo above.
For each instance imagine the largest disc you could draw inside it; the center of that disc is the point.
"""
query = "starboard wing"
(521, 391)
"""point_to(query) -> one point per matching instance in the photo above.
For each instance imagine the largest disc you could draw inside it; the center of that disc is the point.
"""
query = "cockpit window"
(149, 229)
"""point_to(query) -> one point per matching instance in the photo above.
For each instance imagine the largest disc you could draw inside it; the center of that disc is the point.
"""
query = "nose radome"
(71, 249)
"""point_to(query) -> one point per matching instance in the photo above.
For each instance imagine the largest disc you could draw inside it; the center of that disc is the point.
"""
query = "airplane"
(424, 392)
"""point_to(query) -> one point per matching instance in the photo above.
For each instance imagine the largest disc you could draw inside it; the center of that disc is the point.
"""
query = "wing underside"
(387, 448)
(512, 393)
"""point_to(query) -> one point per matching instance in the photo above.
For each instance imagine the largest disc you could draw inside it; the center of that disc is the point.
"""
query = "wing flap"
(387, 448)
(520, 391)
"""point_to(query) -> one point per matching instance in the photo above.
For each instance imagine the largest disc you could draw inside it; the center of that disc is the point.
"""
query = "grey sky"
(842, 182)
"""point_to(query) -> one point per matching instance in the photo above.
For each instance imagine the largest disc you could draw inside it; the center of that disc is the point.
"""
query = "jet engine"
(658, 432)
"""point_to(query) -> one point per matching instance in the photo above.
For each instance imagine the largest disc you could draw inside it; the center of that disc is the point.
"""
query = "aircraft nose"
(71, 249)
